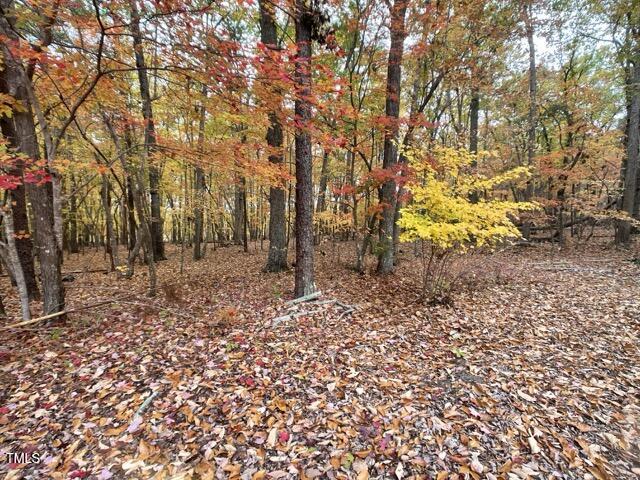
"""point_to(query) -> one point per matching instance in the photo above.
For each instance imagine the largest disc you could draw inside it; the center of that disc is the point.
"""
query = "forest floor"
(533, 373)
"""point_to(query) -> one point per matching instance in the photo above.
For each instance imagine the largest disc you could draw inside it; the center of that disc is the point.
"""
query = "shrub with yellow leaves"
(455, 208)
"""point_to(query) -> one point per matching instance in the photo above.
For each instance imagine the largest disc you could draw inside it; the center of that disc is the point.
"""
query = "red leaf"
(283, 436)
(78, 474)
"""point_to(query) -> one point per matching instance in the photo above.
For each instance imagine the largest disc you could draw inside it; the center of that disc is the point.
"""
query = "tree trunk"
(41, 195)
(198, 225)
(304, 279)
(238, 212)
(110, 243)
(533, 103)
(150, 143)
(14, 260)
(73, 218)
(130, 201)
(245, 217)
(633, 152)
(47, 246)
(392, 112)
(277, 257)
(474, 112)
(18, 198)
(321, 204)
(24, 244)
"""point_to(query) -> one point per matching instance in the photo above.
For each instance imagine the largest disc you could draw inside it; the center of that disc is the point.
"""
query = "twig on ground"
(137, 419)
(292, 315)
(63, 312)
(147, 402)
(306, 298)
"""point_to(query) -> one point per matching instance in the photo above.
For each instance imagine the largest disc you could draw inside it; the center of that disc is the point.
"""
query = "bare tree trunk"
(474, 113)
(41, 195)
(277, 257)
(73, 218)
(150, 143)
(321, 204)
(18, 198)
(245, 217)
(111, 242)
(238, 211)
(533, 88)
(14, 260)
(198, 226)
(392, 112)
(633, 154)
(304, 275)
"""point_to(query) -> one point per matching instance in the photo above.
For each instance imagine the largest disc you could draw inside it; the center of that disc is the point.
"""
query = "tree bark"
(150, 142)
(238, 211)
(633, 153)
(41, 195)
(474, 112)
(277, 257)
(533, 102)
(392, 112)
(111, 244)
(304, 275)
(321, 204)
(73, 218)
(18, 202)
(18, 197)
(198, 225)
(14, 260)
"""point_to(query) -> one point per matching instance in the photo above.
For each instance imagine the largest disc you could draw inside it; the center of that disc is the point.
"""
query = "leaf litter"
(535, 377)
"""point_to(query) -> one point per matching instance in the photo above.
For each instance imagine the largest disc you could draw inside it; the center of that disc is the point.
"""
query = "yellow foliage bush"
(454, 209)
(443, 210)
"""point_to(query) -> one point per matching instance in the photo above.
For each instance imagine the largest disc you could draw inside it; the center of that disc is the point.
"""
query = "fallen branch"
(305, 298)
(63, 312)
(292, 314)
(97, 270)
(278, 320)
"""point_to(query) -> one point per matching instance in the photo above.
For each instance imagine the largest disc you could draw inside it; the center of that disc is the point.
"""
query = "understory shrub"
(456, 208)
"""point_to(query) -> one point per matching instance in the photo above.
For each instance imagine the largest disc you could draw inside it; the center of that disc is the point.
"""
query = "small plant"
(458, 352)
(231, 346)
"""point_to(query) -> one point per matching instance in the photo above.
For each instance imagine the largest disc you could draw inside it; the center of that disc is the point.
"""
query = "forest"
(309, 239)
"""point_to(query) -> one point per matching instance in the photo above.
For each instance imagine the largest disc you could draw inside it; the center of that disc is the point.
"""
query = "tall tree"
(304, 275)
(631, 167)
(277, 258)
(11, 126)
(533, 89)
(198, 226)
(150, 142)
(18, 81)
(390, 155)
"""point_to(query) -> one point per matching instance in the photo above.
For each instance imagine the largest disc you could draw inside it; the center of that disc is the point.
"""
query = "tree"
(631, 165)
(25, 140)
(277, 257)
(199, 225)
(150, 141)
(392, 112)
(304, 274)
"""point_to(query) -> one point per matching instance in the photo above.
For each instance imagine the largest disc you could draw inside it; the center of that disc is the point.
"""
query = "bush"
(453, 211)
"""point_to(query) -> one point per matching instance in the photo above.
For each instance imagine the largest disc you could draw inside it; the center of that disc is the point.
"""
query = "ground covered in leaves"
(533, 373)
